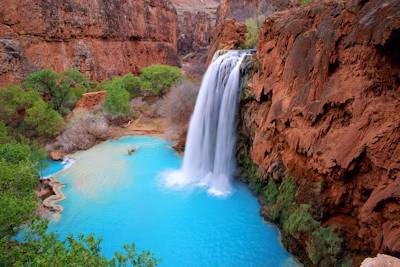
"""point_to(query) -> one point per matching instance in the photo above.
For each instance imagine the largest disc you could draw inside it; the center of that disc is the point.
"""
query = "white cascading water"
(209, 158)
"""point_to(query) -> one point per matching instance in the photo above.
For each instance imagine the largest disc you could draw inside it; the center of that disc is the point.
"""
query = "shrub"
(253, 26)
(61, 91)
(13, 103)
(132, 84)
(18, 178)
(300, 220)
(25, 113)
(4, 134)
(43, 249)
(157, 78)
(82, 132)
(117, 101)
(45, 121)
(177, 106)
(271, 192)
(324, 247)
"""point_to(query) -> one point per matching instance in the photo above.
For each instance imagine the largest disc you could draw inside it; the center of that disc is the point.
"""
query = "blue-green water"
(51, 167)
(122, 199)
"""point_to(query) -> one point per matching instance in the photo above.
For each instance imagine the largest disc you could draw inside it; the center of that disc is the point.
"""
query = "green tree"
(45, 121)
(132, 84)
(157, 78)
(13, 103)
(18, 178)
(61, 91)
(117, 100)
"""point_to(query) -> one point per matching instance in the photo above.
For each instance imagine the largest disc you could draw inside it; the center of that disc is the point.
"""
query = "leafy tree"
(61, 91)
(18, 178)
(157, 78)
(117, 101)
(44, 249)
(44, 120)
(132, 84)
(13, 103)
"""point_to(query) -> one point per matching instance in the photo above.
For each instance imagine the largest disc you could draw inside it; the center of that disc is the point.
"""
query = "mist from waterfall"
(209, 158)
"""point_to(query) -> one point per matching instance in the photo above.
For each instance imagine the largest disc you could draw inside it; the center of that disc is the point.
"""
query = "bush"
(157, 78)
(43, 249)
(300, 220)
(61, 91)
(18, 178)
(117, 101)
(324, 247)
(253, 26)
(177, 106)
(4, 134)
(82, 132)
(45, 121)
(13, 103)
(132, 84)
(26, 114)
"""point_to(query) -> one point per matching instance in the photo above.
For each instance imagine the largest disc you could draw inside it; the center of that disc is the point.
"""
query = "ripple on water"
(124, 199)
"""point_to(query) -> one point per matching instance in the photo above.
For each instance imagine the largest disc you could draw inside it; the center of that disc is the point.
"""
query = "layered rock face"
(229, 34)
(100, 38)
(241, 10)
(326, 108)
(196, 22)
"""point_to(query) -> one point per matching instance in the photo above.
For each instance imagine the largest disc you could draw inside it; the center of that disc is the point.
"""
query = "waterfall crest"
(209, 158)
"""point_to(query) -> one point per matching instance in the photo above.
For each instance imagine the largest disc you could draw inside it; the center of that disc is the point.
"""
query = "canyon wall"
(324, 107)
(241, 10)
(100, 38)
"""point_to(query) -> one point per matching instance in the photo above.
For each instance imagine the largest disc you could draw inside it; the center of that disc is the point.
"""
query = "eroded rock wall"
(326, 107)
(100, 38)
(241, 10)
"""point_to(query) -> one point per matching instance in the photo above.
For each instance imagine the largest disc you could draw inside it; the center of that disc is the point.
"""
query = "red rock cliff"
(327, 106)
(100, 38)
(242, 9)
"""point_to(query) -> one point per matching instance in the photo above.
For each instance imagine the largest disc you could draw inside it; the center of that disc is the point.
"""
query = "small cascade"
(209, 158)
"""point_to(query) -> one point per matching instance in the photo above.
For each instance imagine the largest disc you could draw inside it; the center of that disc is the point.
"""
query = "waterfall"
(209, 158)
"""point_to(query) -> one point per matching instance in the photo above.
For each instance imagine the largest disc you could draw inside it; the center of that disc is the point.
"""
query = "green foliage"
(117, 100)
(157, 78)
(4, 134)
(61, 91)
(43, 249)
(18, 178)
(26, 114)
(13, 103)
(132, 84)
(305, 2)
(44, 120)
(271, 192)
(324, 246)
(299, 220)
(253, 26)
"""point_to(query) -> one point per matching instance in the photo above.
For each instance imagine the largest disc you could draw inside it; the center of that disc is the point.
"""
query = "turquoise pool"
(122, 199)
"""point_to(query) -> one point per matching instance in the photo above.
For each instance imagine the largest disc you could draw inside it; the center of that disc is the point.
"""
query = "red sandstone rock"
(100, 38)
(381, 260)
(327, 105)
(243, 9)
(56, 155)
(91, 100)
(229, 34)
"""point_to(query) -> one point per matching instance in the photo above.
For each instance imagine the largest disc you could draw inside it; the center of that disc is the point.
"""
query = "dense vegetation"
(253, 26)
(31, 114)
(324, 247)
